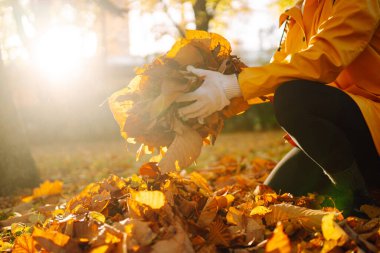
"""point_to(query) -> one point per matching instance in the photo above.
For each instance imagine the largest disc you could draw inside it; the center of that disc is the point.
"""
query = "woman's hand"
(213, 95)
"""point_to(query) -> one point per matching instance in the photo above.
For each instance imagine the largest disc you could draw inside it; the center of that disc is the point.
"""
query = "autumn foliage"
(197, 212)
(146, 109)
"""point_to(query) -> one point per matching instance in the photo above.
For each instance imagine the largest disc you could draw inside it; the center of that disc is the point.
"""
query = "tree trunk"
(202, 17)
(17, 167)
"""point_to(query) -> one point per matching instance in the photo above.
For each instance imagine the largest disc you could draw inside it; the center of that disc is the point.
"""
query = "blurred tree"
(204, 11)
(17, 167)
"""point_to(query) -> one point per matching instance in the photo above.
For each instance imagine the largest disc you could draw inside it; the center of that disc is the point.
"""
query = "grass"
(78, 164)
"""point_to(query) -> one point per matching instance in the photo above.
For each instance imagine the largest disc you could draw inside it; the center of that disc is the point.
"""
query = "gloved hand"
(213, 95)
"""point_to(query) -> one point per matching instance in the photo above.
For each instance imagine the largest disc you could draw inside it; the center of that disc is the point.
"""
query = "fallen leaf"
(371, 211)
(153, 199)
(279, 241)
(260, 210)
(219, 234)
(24, 244)
(45, 189)
(309, 218)
(332, 231)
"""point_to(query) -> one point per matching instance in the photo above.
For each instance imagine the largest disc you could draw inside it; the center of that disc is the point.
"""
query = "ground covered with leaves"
(218, 206)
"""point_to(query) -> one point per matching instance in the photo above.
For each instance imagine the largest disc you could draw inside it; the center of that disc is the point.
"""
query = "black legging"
(332, 133)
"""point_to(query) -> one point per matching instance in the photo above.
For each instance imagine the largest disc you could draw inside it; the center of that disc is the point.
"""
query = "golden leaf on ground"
(371, 211)
(45, 189)
(235, 217)
(200, 181)
(260, 210)
(308, 218)
(332, 231)
(5, 246)
(97, 216)
(279, 242)
(59, 239)
(24, 244)
(153, 199)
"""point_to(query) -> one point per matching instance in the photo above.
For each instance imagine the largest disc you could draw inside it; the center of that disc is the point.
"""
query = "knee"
(288, 104)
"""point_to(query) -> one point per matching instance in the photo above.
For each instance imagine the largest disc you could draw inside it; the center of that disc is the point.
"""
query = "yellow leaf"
(100, 249)
(153, 199)
(17, 229)
(260, 210)
(47, 188)
(235, 216)
(50, 236)
(331, 230)
(308, 218)
(97, 216)
(279, 242)
(5, 246)
(24, 244)
(200, 181)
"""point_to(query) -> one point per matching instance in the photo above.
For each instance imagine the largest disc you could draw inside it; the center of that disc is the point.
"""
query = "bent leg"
(296, 173)
(328, 125)
(330, 128)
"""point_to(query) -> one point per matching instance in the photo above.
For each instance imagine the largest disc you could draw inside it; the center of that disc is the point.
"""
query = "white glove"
(213, 95)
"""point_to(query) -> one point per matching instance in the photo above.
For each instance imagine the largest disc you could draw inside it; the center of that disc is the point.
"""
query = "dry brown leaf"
(146, 110)
(184, 150)
(308, 218)
(371, 211)
(209, 212)
(255, 230)
(140, 231)
(180, 242)
(219, 234)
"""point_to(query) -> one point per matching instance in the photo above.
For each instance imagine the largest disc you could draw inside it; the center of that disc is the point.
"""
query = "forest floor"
(97, 198)
(78, 164)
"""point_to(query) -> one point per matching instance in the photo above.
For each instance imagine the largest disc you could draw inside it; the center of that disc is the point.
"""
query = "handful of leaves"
(146, 110)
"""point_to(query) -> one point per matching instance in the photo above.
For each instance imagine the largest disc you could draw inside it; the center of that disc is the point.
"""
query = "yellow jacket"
(334, 42)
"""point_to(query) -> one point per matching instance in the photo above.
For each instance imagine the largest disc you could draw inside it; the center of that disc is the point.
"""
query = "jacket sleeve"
(338, 41)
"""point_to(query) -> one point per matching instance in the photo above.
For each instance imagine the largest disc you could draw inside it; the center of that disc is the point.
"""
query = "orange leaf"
(279, 241)
(150, 170)
(260, 210)
(24, 244)
(45, 189)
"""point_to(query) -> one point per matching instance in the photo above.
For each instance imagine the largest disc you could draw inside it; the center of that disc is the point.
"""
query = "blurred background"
(61, 59)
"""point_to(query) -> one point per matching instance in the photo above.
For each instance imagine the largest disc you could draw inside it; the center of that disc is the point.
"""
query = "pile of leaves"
(196, 212)
(146, 109)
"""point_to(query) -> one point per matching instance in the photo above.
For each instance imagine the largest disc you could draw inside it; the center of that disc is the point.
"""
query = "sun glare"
(60, 51)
